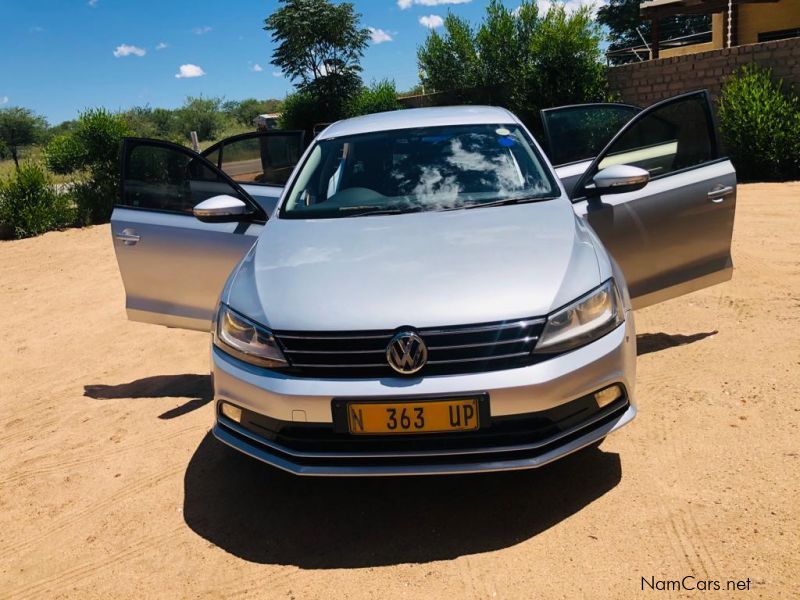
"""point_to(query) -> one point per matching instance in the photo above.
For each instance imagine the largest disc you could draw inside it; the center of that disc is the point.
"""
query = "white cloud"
(92, 3)
(3, 100)
(201, 30)
(257, 68)
(404, 4)
(162, 45)
(379, 36)
(127, 50)
(37, 29)
(189, 71)
(277, 74)
(431, 21)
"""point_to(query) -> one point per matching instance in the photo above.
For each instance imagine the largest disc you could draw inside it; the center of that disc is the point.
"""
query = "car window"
(430, 168)
(169, 179)
(261, 158)
(579, 133)
(675, 136)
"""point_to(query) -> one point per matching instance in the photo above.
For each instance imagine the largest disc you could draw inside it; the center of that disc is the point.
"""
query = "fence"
(647, 82)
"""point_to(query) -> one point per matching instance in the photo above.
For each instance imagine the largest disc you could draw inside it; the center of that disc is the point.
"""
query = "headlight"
(588, 318)
(247, 340)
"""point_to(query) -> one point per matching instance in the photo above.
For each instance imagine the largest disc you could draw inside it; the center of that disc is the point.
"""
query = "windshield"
(411, 170)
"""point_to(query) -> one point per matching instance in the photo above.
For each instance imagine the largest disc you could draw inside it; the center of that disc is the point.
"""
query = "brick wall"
(647, 82)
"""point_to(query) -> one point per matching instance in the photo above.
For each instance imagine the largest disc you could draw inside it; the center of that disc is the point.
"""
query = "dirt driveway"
(111, 486)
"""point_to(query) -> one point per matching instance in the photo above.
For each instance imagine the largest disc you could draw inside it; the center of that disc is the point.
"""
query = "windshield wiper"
(505, 201)
(383, 211)
(500, 202)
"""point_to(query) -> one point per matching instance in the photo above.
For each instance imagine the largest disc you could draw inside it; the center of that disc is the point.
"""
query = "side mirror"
(618, 179)
(220, 208)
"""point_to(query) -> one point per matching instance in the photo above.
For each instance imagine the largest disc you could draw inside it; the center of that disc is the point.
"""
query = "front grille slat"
(477, 358)
(451, 350)
(337, 351)
(484, 344)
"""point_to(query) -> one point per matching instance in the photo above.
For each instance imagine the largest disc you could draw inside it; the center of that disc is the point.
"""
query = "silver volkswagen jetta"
(423, 292)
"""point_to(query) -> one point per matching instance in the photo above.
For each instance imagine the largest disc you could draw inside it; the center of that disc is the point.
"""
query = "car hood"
(419, 269)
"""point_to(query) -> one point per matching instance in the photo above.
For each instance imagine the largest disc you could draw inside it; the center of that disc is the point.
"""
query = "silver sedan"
(422, 291)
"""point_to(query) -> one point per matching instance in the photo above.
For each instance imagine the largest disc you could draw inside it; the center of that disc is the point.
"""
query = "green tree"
(627, 28)
(564, 64)
(20, 127)
(522, 60)
(152, 122)
(243, 112)
(449, 62)
(319, 45)
(91, 153)
(203, 115)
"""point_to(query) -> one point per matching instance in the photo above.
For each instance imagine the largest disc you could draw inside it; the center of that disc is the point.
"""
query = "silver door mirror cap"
(220, 208)
(618, 179)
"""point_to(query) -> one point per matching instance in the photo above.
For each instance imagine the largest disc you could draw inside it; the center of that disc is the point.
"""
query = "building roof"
(420, 117)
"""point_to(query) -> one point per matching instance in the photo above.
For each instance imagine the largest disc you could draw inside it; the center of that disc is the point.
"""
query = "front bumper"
(537, 389)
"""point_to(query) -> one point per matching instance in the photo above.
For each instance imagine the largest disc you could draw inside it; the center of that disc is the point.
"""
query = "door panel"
(674, 235)
(174, 266)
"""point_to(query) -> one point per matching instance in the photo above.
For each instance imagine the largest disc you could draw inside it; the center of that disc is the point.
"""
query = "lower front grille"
(513, 438)
(451, 350)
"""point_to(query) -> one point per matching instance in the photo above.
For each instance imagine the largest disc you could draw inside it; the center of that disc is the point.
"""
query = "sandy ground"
(111, 486)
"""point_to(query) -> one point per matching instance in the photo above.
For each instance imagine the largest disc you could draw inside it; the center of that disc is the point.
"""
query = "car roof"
(419, 117)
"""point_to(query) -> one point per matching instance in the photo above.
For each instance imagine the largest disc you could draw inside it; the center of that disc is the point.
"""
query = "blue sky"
(61, 56)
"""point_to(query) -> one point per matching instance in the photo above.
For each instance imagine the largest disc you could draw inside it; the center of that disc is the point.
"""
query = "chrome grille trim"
(341, 366)
(380, 351)
(323, 336)
(479, 358)
(457, 330)
(530, 338)
(459, 349)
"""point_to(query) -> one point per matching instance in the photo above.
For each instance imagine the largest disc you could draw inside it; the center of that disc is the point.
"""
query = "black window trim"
(546, 129)
(258, 215)
(717, 154)
(220, 145)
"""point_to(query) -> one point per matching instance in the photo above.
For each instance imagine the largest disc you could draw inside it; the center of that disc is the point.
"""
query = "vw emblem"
(406, 353)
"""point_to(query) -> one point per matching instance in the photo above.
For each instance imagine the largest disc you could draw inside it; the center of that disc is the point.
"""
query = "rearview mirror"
(618, 179)
(220, 208)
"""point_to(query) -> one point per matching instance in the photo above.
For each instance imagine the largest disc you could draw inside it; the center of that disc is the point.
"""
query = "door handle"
(129, 237)
(719, 193)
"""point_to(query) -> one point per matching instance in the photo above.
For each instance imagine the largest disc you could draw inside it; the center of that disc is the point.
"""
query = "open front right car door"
(673, 236)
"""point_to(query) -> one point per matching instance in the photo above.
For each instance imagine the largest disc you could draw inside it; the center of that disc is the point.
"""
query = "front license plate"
(434, 416)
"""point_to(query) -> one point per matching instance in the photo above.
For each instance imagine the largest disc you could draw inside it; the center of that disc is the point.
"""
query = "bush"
(30, 204)
(304, 109)
(301, 110)
(62, 153)
(91, 153)
(760, 126)
(379, 97)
